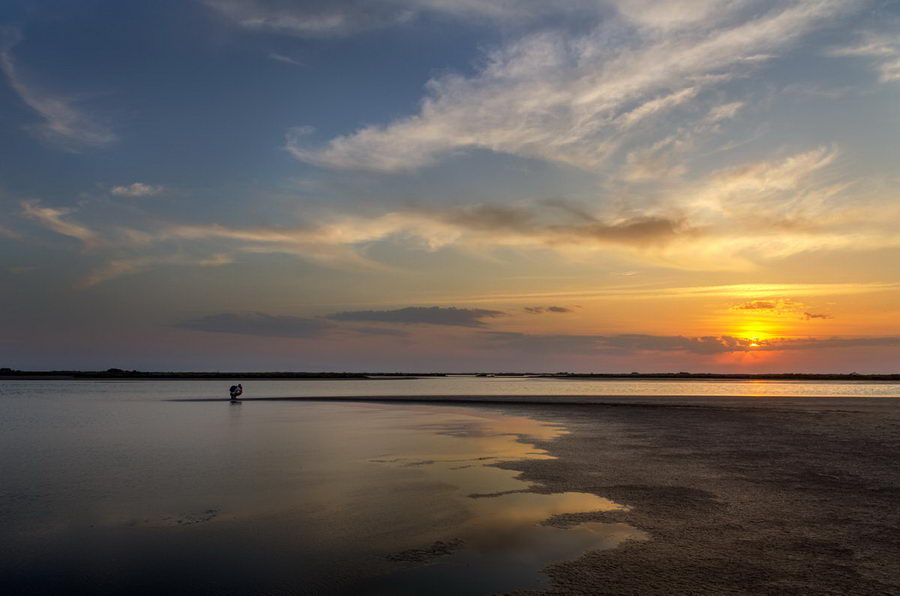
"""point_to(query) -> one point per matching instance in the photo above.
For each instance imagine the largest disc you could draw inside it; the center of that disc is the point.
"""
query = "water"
(109, 487)
(453, 385)
(112, 487)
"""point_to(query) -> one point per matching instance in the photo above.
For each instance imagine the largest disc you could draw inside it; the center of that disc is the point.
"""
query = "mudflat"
(738, 496)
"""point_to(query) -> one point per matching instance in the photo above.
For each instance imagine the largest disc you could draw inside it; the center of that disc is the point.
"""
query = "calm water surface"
(110, 487)
(113, 487)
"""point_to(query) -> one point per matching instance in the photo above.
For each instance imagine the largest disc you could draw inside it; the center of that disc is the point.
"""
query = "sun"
(755, 332)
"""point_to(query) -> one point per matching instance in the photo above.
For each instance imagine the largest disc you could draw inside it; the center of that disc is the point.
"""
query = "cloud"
(883, 50)
(776, 305)
(333, 240)
(257, 323)
(63, 124)
(577, 99)
(782, 306)
(830, 343)
(654, 291)
(757, 305)
(703, 345)
(377, 331)
(338, 18)
(118, 267)
(734, 222)
(286, 59)
(537, 310)
(626, 343)
(811, 315)
(52, 218)
(6, 232)
(137, 189)
(432, 315)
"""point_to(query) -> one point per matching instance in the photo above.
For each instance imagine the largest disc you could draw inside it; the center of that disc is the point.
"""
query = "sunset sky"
(450, 185)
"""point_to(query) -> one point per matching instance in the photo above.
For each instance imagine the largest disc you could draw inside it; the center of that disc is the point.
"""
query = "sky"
(450, 185)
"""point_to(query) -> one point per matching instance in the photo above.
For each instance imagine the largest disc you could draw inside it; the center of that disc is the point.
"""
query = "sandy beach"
(772, 498)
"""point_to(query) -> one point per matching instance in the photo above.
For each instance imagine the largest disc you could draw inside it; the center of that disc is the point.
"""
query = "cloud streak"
(577, 100)
(137, 189)
(63, 124)
(118, 267)
(781, 306)
(339, 18)
(883, 50)
(702, 345)
(431, 315)
(53, 219)
(537, 310)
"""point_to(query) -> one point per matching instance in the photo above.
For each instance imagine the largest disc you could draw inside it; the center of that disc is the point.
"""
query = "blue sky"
(179, 179)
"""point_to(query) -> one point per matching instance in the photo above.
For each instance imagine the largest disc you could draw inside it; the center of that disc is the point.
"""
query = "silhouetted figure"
(235, 391)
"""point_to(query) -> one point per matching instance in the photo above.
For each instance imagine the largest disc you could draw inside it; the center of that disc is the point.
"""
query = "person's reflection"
(234, 420)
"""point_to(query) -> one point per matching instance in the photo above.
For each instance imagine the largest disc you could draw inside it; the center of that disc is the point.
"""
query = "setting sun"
(756, 332)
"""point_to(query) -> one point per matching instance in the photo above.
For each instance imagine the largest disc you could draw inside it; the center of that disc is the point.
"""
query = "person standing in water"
(235, 391)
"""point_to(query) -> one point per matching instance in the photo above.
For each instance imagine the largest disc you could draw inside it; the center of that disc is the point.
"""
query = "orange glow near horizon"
(756, 331)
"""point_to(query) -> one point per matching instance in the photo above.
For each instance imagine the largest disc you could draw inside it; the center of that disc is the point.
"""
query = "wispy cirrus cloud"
(118, 267)
(883, 50)
(431, 315)
(53, 218)
(285, 59)
(577, 99)
(62, 123)
(735, 218)
(137, 189)
(653, 291)
(338, 18)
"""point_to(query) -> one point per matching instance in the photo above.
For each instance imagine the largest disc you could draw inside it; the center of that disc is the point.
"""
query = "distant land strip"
(117, 373)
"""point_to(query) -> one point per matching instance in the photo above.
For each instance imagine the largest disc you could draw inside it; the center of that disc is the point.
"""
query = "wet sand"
(772, 497)
(738, 495)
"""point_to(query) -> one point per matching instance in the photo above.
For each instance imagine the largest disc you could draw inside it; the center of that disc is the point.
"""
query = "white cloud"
(676, 14)
(734, 219)
(63, 124)
(52, 218)
(137, 189)
(724, 112)
(574, 99)
(286, 59)
(883, 50)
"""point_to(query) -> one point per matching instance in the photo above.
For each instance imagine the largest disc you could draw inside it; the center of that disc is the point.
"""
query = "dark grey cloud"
(537, 310)
(432, 315)
(257, 323)
(570, 224)
(812, 315)
(629, 343)
(618, 343)
(757, 305)
(814, 343)
(365, 330)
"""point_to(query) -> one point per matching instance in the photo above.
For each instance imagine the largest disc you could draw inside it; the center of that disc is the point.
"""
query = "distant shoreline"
(115, 374)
